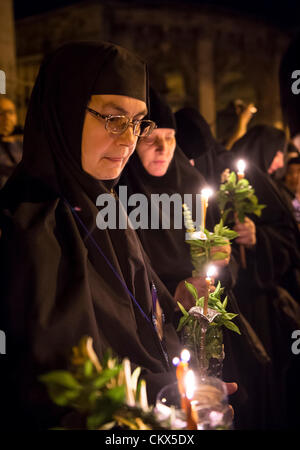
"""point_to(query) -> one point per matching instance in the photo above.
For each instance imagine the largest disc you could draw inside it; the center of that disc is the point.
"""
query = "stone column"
(7, 46)
(206, 83)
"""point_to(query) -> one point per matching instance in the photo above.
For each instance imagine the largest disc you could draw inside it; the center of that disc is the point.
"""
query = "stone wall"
(7, 46)
(197, 57)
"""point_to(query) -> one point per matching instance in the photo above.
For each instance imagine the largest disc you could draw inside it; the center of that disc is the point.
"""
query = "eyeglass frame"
(134, 123)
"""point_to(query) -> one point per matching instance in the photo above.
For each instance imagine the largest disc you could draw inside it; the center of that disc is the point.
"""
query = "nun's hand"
(222, 249)
(183, 296)
(246, 231)
(231, 389)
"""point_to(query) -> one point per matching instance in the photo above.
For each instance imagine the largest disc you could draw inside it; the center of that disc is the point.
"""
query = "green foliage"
(98, 392)
(193, 330)
(202, 242)
(237, 197)
(214, 302)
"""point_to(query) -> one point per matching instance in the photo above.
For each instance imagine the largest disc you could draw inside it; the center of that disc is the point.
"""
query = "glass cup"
(205, 343)
(209, 404)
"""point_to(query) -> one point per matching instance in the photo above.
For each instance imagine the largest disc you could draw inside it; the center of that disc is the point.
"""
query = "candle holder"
(209, 406)
(204, 342)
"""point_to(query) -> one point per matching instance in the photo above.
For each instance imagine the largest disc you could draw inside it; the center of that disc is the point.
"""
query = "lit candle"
(182, 368)
(205, 194)
(191, 415)
(211, 271)
(241, 165)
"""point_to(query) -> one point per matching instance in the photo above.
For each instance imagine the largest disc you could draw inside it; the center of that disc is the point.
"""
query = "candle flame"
(241, 165)
(185, 355)
(176, 361)
(211, 271)
(189, 381)
(206, 193)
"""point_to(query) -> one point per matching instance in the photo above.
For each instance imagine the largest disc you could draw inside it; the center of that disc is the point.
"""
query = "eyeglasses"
(119, 124)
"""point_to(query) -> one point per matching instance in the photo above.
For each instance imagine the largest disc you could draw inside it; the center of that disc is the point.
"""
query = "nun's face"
(104, 155)
(157, 150)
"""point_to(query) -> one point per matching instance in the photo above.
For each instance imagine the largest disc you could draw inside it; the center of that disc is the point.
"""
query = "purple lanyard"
(153, 288)
(89, 235)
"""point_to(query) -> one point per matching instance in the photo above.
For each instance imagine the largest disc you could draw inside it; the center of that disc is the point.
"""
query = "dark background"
(285, 14)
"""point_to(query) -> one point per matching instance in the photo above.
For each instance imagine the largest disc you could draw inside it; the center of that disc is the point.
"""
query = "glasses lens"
(145, 128)
(117, 124)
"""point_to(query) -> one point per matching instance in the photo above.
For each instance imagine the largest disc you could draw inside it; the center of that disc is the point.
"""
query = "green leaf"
(243, 183)
(217, 290)
(225, 302)
(231, 326)
(62, 396)
(61, 378)
(88, 368)
(183, 322)
(105, 376)
(200, 302)
(117, 394)
(191, 288)
(230, 316)
(232, 178)
(218, 256)
(107, 405)
(183, 310)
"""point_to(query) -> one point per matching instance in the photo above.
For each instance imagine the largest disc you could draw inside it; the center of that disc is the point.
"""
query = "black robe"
(272, 266)
(61, 276)
(245, 358)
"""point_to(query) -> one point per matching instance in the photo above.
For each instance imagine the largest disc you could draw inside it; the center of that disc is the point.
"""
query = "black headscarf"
(65, 287)
(196, 140)
(259, 145)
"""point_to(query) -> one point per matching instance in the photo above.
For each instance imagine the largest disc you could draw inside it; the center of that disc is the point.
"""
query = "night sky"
(285, 14)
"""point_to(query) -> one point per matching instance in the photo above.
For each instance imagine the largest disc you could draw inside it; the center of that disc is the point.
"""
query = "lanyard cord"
(88, 234)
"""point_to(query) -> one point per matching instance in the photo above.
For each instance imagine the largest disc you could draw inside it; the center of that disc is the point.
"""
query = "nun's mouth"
(159, 162)
(115, 159)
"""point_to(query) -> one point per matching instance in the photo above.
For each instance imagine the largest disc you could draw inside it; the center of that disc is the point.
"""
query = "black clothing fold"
(56, 284)
(268, 290)
(170, 257)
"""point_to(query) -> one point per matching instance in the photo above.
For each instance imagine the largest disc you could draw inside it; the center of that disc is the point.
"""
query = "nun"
(62, 277)
(159, 167)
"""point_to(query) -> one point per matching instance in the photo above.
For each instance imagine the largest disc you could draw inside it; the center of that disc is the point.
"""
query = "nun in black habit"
(61, 276)
(272, 264)
(245, 357)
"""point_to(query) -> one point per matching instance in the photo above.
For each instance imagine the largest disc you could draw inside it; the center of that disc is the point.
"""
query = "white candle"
(205, 194)
(189, 381)
(185, 355)
(211, 271)
(241, 165)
